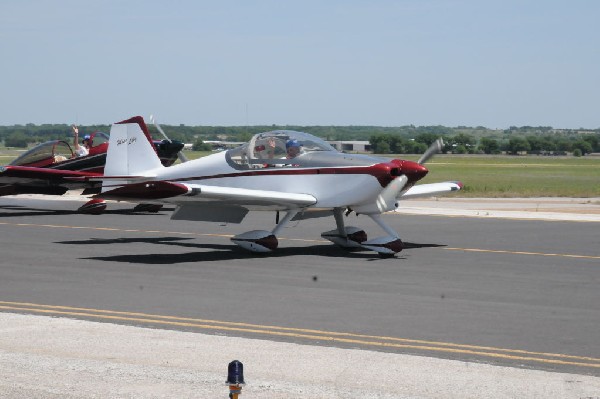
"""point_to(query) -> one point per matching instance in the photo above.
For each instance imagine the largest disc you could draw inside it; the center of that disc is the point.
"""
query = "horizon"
(305, 126)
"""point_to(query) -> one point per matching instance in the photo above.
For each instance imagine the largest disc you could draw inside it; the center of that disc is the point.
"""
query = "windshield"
(99, 138)
(48, 152)
(267, 148)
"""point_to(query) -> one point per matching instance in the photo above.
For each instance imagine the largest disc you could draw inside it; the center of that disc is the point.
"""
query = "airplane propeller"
(387, 200)
(180, 154)
(433, 149)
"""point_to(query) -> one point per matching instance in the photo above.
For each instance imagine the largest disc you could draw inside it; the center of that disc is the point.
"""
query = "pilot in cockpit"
(292, 149)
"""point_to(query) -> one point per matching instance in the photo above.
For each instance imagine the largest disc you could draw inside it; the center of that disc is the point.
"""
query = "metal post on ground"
(235, 378)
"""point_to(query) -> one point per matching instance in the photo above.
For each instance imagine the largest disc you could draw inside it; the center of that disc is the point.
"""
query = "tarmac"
(45, 357)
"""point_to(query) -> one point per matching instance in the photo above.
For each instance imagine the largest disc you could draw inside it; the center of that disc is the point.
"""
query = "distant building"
(351, 146)
(223, 145)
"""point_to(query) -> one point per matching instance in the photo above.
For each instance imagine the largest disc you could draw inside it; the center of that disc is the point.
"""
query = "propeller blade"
(180, 154)
(431, 151)
(386, 200)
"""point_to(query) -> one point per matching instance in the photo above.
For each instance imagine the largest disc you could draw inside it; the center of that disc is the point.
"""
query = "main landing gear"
(343, 236)
(262, 240)
(353, 237)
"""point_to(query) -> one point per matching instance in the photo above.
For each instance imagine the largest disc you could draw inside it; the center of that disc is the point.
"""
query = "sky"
(492, 63)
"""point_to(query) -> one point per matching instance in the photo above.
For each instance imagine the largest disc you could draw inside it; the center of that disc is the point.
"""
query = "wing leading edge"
(182, 193)
(427, 190)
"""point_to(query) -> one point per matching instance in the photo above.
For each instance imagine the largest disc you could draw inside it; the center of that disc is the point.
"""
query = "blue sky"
(495, 63)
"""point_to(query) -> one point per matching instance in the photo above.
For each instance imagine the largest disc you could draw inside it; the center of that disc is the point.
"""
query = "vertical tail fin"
(130, 149)
(130, 152)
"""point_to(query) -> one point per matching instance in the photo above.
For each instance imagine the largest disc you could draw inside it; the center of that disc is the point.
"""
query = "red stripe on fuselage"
(382, 172)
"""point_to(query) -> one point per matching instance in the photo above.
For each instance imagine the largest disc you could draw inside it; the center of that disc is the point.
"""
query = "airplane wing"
(183, 193)
(428, 190)
(18, 174)
(208, 203)
(26, 179)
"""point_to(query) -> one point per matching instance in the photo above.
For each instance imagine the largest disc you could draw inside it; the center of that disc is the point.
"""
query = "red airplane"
(52, 168)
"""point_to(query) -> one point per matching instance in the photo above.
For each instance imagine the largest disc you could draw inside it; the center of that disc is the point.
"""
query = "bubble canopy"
(267, 147)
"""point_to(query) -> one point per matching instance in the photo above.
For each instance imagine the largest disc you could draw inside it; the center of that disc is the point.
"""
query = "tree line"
(407, 139)
(545, 144)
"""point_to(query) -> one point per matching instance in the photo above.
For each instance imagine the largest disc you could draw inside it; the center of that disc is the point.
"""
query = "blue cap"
(292, 143)
(86, 137)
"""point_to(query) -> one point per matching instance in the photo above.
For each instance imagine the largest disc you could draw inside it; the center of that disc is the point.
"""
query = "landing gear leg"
(345, 237)
(377, 219)
(386, 246)
(339, 221)
(286, 219)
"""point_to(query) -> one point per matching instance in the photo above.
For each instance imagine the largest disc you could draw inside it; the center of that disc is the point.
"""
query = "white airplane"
(262, 176)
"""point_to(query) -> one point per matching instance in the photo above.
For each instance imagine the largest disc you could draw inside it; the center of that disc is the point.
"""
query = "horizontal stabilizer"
(150, 190)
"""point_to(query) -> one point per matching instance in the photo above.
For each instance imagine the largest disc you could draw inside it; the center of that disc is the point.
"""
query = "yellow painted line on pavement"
(285, 239)
(500, 251)
(499, 217)
(329, 336)
(62, 226)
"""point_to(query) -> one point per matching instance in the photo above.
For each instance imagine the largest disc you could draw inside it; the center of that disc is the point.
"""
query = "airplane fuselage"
(332, 186)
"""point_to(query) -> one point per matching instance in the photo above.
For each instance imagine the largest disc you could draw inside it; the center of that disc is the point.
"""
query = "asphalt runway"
(519, 293)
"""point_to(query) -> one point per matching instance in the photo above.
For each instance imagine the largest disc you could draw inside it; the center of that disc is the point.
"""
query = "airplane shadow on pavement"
(223, 252)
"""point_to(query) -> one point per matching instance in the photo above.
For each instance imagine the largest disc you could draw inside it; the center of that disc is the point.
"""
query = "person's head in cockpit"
(292, 148)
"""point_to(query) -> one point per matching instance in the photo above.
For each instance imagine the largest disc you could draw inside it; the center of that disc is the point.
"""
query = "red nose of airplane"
(413, 170)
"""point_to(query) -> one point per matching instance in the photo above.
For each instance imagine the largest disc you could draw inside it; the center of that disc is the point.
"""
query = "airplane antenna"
(246, 118)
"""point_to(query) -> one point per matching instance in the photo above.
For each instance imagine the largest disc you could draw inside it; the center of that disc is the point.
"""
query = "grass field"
(522, 176)
(494, 176)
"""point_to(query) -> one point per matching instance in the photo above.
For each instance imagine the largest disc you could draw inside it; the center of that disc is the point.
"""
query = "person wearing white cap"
(83, 149)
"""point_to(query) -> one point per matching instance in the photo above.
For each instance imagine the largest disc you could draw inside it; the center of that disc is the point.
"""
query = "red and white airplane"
(260, 176)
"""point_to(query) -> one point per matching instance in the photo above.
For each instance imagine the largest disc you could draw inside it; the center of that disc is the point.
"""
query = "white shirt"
(82, 151)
